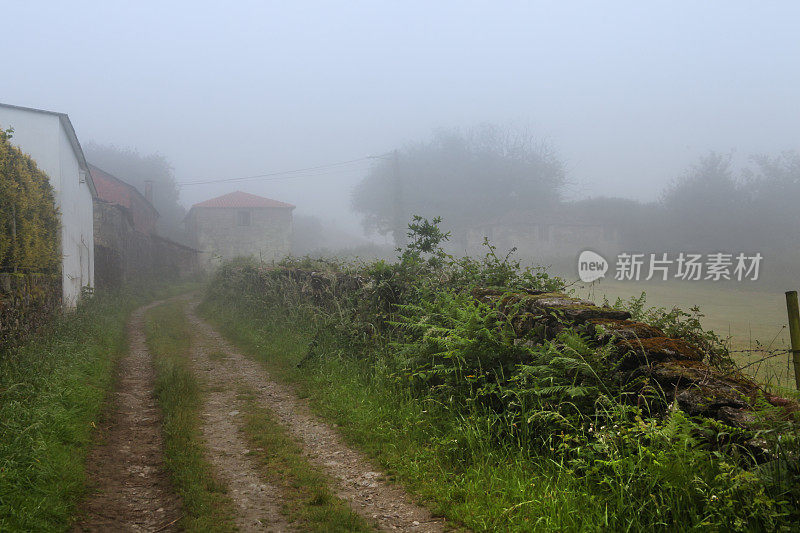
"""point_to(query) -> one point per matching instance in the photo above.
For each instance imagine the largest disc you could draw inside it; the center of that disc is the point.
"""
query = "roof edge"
(112, 176)
(66, 123)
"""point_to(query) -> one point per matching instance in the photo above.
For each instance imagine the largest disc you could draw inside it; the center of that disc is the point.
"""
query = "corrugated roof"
(241, 199)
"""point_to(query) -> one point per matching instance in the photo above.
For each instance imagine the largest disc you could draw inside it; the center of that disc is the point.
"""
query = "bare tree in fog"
(705, 207)
(714, 208)
(464, 177)
(773, 189)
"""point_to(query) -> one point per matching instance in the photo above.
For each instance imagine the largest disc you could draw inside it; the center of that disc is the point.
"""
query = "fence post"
(794, 332)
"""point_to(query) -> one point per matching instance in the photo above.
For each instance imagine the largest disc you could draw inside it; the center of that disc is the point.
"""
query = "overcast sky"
(628, 93)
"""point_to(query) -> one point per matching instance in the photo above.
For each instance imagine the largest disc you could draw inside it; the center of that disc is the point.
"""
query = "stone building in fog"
(545, 235)
(240, 224)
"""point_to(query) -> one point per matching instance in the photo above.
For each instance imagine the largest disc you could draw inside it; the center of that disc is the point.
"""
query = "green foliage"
(424, 246)
(502, 272)
(29, 222)
(411, 339)
(615, 471)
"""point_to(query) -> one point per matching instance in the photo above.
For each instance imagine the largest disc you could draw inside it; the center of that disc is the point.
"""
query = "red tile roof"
(242, 199)
(113, 190)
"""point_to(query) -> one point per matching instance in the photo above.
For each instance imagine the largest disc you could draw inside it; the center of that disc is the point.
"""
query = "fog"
(628, 95)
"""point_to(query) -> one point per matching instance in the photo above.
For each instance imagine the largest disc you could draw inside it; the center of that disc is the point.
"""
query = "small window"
(243, 218)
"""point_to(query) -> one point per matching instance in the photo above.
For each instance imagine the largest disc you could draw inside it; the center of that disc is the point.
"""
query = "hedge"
(29, 220)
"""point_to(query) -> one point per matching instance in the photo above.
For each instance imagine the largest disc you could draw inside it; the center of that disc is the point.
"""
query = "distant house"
(547, 234)
(126, 244)
(49, 139)
(240, 224)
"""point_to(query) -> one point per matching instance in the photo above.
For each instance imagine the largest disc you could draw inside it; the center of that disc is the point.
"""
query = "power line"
(286, 174)
(280, 177)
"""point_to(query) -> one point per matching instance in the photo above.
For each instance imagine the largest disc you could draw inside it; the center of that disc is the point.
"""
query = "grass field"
(52, 390)
(750, 318)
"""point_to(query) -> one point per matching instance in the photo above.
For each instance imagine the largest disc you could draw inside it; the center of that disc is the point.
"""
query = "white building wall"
(43, 137)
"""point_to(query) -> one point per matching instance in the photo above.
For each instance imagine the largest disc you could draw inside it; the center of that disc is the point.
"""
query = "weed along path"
(130, 489)
(374, 501)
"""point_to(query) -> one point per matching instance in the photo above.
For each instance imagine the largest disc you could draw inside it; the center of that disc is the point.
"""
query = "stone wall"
(173, 259)
(123, 254)
(647, 360)
(218, 234)
(26, 302)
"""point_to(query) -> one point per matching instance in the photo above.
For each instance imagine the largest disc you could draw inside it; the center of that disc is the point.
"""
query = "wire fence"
(765, 365)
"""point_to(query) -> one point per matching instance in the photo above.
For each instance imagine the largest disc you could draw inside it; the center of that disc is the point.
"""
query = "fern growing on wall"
(29, 221)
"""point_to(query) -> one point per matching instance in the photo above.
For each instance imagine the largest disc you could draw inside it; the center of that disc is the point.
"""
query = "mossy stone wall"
(26, 302)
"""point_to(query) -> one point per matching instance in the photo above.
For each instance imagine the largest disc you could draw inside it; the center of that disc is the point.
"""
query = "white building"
(49, 139)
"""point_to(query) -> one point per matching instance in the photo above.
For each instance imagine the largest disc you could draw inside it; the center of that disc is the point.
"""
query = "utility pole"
(794, 332)
(398, 217)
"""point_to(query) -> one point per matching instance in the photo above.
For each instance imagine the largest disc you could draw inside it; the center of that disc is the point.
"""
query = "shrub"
(29, 222)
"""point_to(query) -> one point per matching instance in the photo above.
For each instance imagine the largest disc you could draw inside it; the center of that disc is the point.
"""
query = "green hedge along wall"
(29, 221)
(30, 252)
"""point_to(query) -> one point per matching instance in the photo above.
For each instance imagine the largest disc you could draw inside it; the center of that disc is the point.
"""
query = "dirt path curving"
(132, 491)
(357, 481)
(257, 502)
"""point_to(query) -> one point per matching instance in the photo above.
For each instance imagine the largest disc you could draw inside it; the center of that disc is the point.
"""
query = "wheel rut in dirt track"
(356, 480)
(256, 502)
(132, 491)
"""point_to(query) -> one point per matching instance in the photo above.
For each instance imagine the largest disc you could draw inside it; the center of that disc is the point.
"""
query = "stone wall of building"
(544, 241)
(123, 254)
(220, 234)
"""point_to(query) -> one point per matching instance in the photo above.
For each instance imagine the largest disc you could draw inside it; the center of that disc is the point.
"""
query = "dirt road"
(126, 467)
(357, 481)
(131, 489)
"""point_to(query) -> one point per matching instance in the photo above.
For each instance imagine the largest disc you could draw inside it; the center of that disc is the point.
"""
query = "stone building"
(126, 244)
(240, 224)
(549, 235)
(113, 190)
